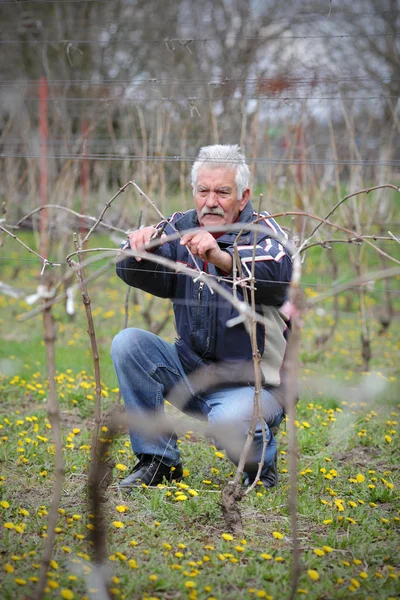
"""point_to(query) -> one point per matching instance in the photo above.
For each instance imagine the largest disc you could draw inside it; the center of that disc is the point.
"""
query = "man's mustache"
(212, 211)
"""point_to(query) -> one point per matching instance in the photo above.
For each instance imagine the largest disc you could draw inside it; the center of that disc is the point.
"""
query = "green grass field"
(160, 546)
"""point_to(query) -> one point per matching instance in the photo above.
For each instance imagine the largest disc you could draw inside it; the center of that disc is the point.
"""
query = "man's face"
(216, 196)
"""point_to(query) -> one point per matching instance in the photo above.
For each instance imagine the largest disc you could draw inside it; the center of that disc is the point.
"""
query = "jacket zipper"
(199, 330)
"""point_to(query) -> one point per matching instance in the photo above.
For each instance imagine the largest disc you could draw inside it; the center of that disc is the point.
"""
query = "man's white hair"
(226, 156)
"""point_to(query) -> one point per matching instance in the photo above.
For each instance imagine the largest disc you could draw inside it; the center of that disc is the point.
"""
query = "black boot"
(151, 471)
(269, 476)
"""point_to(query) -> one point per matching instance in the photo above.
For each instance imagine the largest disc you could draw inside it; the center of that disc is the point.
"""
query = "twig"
(68, 210)
(106, 207)
(365, 191)
(257, 411)
(54, 418)
(362, 279)
(62, 296)
(393, 237)
(339, 227)
(44, 260)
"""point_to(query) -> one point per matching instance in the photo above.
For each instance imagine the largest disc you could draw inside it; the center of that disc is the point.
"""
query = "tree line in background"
(133, 90)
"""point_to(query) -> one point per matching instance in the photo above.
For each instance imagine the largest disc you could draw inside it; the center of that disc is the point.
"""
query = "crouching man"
(148, 367)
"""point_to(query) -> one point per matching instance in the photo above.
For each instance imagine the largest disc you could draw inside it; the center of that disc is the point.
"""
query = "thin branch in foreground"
(290, 384)
(80, 274)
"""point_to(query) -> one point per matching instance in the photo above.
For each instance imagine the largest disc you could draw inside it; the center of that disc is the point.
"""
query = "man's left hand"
(204, 245)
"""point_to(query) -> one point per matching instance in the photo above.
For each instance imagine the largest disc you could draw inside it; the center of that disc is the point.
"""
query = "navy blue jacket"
(201, 317)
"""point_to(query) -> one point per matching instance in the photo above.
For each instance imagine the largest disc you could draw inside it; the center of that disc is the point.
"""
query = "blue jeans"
(148, 368)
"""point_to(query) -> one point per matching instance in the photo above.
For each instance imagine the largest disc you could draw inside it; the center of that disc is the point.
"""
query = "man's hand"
(140, 238)
(204, 245)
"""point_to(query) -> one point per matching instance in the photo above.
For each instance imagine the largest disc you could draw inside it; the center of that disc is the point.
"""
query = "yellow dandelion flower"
(220, 454)
(227, 536)
(121, 508)
(239, 549)
(327, 521)
(388, 439)
(313, 574)
(327, 548)
(9, 568)
(20, 581)
(360, 478)
(277, 535)
(121, 467)
(4, 504)
(153, 577)
(190, 584)
(363, 575)
(193, 492)
(266, 556)
(132, 563)
(319, 552)
(118, 524)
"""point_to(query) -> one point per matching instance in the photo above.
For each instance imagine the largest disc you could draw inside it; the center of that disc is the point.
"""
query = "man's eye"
(224, 192)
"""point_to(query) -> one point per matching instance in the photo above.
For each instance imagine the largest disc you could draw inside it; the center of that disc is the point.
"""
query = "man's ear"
(245, 199)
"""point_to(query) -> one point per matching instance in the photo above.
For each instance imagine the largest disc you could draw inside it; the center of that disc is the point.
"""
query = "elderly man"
(148, 367)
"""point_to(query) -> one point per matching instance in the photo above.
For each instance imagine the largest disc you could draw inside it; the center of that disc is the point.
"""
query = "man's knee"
(124, 341)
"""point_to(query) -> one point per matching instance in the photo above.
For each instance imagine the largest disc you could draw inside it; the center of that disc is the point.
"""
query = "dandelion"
(4, 504)
(9, 568)
(277, 535)
(227, 537)
(153, 577)
(313, 574)
(190, 584)
(20, 581)
(363, 575)
(121, 508)
(319, 552)
(327, 548)
(121, 467)
(193, 492)
(266, 556)
(118, 524)
(132, 563)
(360, 478)
(9, 525)
(220, 455)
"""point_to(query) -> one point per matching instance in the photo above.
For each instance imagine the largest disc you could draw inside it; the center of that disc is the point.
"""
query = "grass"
(161, 547)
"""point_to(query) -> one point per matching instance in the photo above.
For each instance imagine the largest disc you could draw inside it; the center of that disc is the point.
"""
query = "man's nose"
(212, 198)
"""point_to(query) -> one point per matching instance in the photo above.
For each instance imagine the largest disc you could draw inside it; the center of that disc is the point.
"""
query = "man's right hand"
(139, 238)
